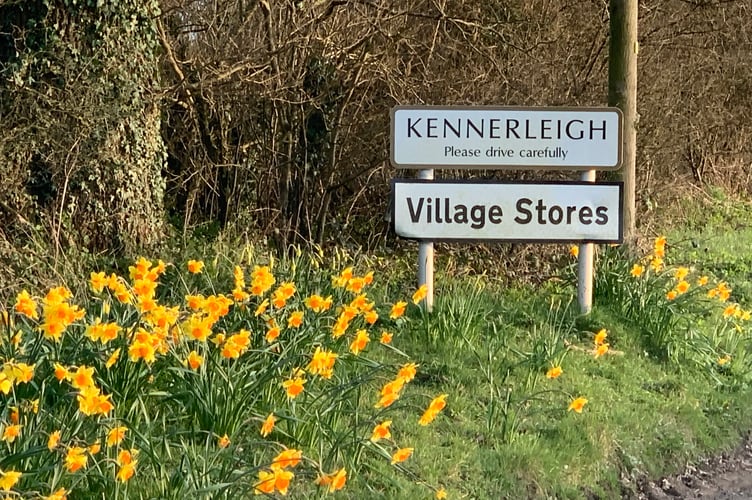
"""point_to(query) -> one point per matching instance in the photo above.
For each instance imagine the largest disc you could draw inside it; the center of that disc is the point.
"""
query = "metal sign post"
(585, 259)
(425, 257)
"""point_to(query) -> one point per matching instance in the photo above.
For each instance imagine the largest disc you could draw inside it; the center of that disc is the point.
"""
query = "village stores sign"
(578, 139)
(523, 212)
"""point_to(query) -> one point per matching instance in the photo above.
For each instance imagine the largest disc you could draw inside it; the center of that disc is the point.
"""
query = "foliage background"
(126, 122)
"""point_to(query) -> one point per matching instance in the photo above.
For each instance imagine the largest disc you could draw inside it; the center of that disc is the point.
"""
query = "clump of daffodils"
(98, 380)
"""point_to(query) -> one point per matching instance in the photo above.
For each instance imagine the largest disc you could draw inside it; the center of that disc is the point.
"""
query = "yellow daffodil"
(116, 435)
(274, 480)
(223, 441)
(268, 426)
(294, 385)
(333, 482)
(637, 270)
(420, 293)
(11, 432)
(272, 334)
(295, 320)
(322, 363)
(195, 266)
(401, 455)
(76, 458)
(398, 309)
(287, 458)
(381, 431)
(600, 350)
(554, 372)
(359, 342)
(113, 358)
(600, 337)
(577, 405)
(407, 372)
(53, 440)
(194, 360)
(435, 406)
(26, 305)
(8, 479)
(59, 494)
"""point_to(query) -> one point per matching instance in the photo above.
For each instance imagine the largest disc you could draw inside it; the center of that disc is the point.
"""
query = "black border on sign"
(471, 166)
(620, 185)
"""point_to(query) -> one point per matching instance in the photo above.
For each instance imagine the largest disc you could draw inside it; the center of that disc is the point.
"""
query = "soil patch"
(723, 477)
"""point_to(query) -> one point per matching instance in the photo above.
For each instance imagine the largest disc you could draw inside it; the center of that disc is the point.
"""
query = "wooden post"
(622, 93)
(425, 257)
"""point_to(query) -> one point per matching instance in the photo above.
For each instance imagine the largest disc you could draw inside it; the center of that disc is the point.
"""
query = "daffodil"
(53, 440)
(600, 350)
(287, 458)
(223, 441)
(420, 294)
(59, 494)
(600, 337)
(83, 377)
(401, 455)
(11, 432)
(322, 363)
(116, 435)
(294, 385)
(8, 479)
(195, 266)
(194, 360)
(268, 426)
(397, 310)
(272, 334)
(295, 320)
(637, 270)
(113, 358)
(577, 405)
(359, 342)
(437, 404)
(407, 372)
(381, 431)
(554, 372)
(26, 305)
(76, 458)
(334, 482)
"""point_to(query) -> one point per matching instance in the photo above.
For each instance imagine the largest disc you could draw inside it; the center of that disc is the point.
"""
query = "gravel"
(724, 477)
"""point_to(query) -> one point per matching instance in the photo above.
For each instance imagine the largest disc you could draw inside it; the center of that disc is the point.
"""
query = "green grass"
(659, 398)
(506, 431)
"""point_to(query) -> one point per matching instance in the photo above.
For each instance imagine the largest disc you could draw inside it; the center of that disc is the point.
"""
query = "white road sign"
(508, 211)
(488, 137)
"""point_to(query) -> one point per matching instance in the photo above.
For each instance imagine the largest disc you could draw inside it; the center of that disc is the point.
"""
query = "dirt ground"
(724, 477)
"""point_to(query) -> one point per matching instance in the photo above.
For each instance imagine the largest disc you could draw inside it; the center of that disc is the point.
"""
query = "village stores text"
(571, 211)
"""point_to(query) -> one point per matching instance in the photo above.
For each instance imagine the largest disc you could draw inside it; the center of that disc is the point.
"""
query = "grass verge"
(157, 380)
